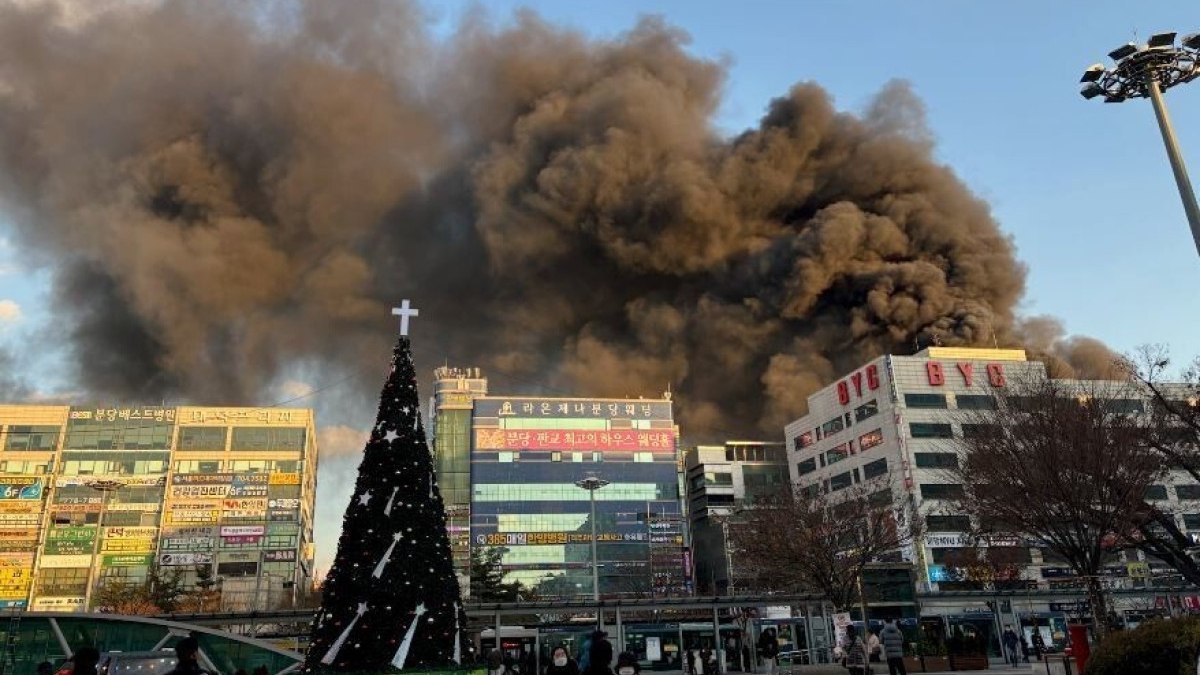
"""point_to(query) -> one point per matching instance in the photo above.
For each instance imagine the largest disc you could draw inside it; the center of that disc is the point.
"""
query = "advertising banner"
(247, 504)
(283, 503)
(75, 508)
(283, 528)
(127, 545)
(241, 539)
(219, 479)
(132, 560)
(20, 506)
(187, 544)
(193, 491)
(178, 559)
(31, 519)
(67, 604)
(243, 530)
(134, 506)
(284, 516)
(233, 415)
(544, 538)
(57, 561)
(155, 413)
(64, 481)
(280, 555)
(189, 516)
(587, 408)
(69, 547)
(84, 534)
(634, 439)
(21, 546)
(21, 487)
(284, 479)
(130, 532)
(236, 490)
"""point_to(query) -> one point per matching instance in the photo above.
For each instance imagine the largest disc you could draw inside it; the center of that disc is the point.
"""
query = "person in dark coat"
(84, 661)
(561, 663)
(1011, 642)
(893, 648)
(768, 649)
(187, 651)
(601, 655)
(627, 664)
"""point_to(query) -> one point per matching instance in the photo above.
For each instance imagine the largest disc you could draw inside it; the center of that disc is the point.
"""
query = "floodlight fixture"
(1093, 73)
(1127, 49)
(1146, 71)
(1161, 41)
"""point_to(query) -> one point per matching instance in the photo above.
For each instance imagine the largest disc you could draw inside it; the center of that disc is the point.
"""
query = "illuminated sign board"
(634, 439)
(560, 408)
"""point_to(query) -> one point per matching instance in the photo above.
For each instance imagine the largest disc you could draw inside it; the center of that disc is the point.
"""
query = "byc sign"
(868, 376)
(936, 373)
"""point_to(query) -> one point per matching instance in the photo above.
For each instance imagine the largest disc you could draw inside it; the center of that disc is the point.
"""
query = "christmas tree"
(391, 598)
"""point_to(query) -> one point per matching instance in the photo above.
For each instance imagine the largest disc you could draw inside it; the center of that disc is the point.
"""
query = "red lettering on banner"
(843, 392)
(857, 380)
(967, 370)
(934, 370)
(995, 373)
(872, 378)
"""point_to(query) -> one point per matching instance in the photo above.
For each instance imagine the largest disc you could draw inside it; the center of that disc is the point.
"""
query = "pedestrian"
(495, 662)
(1024, 646)
(627, 664)
(874, 649)
(893, 648)
(1039, 644)
(856, 653)
(768, 649)
(186, 652)
(561, 663)
(600, 655)
(1011, 641)
(84, 661)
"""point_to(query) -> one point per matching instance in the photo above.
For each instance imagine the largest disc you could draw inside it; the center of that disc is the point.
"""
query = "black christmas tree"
(391, 597)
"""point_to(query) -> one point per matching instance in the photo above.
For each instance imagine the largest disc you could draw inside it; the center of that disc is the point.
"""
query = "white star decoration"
(362, 608)
(364, 498)
(391, 435)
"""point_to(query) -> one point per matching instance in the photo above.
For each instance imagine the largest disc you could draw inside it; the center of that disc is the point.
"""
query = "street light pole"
(105, 488)
(1145, 71)
(591, 484)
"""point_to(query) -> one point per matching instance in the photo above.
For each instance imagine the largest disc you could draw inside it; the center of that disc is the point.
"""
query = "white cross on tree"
(404, 312)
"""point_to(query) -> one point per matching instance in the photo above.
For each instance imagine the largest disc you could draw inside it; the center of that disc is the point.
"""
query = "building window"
(576, 456)
(941, 491)
(556, 456)
(870, 439)
(806, 467)
(597, 457)
(202, 438)
(880, 499)
(1156, 493)
(841, 481)
(948, 523)
(1191, 521)
(874, 469)
(936, 460)
(925, 400)
(31, 438)
(833, 426)
(941, 555)
(866, 410)
(838, 454)
(804, 440)
(643, 456)
(1187, 491)
(268, 438)
(930, 430)
(975, 402)
(505, 456)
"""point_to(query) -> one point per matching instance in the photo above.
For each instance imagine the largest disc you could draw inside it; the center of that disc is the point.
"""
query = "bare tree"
(1064, 464)
(987, 567)
(803, 541)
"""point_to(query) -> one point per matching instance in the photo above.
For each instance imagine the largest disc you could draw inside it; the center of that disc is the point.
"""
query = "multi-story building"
(454, 390)
(94, 495)
(720, 480)
(894, 422)
(527, 456)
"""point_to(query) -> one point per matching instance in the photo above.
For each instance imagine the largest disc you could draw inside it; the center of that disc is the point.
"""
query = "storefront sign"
(193, 491)
(23, 546)
(236, 490)
(178, 559)
(71, 533)
(235, 415)
(1056, 572)
(130, 532)
(75, 508)
(947, 540)
(866, 379)
(187, 544)
(280, 555)
(127, 545)
(67, 604)
(188, 516)
(248, 504)
(31, 519)
(241, 539)
(283, 516)
(145, 507)
(284, 503)
(128, 560)
(219, 479)
(284, 479)
(550, 538)
(21, 487)
(634, 439)
(585, 408)
(114, 414)
(243, 530)
(64, 481)
(58, 561)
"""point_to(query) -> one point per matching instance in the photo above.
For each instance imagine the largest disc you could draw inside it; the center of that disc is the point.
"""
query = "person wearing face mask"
(627, 664)
(561, 663)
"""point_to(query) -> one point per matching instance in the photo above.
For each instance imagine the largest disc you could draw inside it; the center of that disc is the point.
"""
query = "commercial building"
(94, 495)
(527, 456)
(721, 479)
(454, 390)
(893, 421)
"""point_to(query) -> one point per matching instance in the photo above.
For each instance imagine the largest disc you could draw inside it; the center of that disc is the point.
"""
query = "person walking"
(1039, 644)
(561, 663)
(600, 655)
(893, 648)
(187, 651)
(874, 649)
(768, 649)
(1011, 641)
(856, 653)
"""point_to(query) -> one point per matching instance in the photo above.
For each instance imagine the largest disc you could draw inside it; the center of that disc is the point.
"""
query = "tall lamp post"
(591, 484)
(105, 488)
(1145, 71)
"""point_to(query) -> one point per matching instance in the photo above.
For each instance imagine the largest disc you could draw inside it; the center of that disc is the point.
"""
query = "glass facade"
(527, 455)
(91, 496)
(454, 390)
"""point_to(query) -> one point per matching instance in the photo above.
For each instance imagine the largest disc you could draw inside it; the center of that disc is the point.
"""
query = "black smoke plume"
(233, 191)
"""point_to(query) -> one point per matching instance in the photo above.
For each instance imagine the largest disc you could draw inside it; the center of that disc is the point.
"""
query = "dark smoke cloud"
(235, 193)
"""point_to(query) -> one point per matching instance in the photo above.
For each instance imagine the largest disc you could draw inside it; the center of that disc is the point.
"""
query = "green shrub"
(1161, 647)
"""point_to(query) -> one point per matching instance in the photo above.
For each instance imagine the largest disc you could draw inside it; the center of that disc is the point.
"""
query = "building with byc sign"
(95, 495)
(527, 456)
